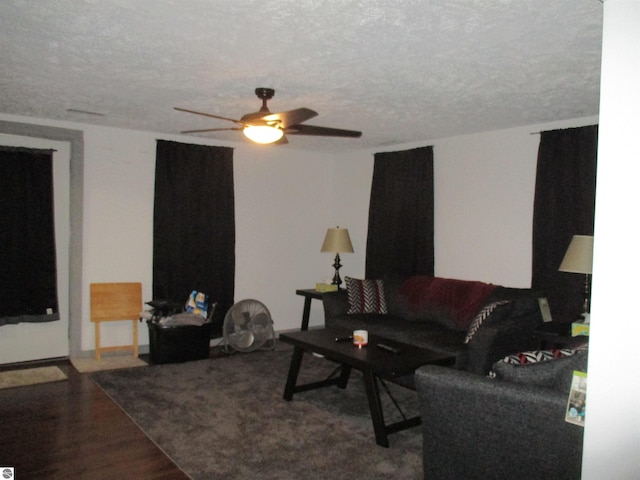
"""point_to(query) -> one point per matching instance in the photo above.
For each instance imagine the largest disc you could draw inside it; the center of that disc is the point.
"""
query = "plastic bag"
(197, 303)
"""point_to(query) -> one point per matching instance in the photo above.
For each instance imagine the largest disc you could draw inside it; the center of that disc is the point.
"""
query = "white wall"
(284, 204)
(282, 211)
(483, 194)
(351, 183)
(286, 199)
(484, 189)
(118, 220)
(283, 208)
(612, 433)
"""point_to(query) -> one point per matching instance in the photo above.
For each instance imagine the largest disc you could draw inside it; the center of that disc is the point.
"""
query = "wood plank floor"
(72, 430)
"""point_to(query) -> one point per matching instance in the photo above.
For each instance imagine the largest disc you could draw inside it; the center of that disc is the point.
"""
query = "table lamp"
(337, 241)
(579, 259)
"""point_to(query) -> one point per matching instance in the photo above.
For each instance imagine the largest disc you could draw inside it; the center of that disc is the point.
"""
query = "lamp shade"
(337, 240)
(263, 133)
(579, 255)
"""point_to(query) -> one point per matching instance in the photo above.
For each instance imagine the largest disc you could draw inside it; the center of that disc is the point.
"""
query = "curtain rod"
(9, 148)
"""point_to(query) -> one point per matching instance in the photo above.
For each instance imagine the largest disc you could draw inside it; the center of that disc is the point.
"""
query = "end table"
(308, 294)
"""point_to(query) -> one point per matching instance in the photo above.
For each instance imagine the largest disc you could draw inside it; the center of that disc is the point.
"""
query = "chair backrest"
(115, 301)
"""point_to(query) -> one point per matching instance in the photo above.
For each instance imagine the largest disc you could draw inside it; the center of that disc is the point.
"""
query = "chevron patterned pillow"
(366, 296)
(537, 356)
(482, 315)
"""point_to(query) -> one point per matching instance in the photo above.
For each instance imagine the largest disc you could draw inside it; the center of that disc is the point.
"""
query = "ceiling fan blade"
(292, 117)
(282, 141)
(209, 115)
(289, 122)
(321, 131)
(212, 130)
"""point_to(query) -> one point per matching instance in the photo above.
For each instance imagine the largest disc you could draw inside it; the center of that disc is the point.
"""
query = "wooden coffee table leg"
(344, 376)
(305, 313)
(294, 369)
(375, 407)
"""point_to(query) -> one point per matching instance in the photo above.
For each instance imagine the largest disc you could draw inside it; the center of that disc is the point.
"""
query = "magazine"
(576, 406)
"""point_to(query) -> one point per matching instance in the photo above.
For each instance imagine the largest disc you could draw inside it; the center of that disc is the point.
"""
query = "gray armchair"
(512, 427)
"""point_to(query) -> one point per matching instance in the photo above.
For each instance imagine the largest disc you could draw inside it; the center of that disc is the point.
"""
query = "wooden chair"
(113, 302)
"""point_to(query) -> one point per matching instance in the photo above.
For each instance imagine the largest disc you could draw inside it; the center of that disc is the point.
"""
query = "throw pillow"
(484, 313)
(536, 356)
(543, 368)
(366, 296)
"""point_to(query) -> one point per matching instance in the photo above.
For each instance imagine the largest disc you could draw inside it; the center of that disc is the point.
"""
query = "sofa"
(476, 322)
(509, 426)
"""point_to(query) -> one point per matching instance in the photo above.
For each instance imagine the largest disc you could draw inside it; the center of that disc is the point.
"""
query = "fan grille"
(248, 326)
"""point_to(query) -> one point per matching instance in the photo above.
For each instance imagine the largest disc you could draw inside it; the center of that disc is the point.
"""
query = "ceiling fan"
(266, 127)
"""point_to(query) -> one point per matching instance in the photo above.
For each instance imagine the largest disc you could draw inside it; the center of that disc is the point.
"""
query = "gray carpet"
(225, 418)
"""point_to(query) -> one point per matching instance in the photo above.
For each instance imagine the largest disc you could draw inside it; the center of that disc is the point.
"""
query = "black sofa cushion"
(523, 301)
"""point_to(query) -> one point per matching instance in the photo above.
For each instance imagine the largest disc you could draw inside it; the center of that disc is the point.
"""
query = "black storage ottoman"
(178, 343)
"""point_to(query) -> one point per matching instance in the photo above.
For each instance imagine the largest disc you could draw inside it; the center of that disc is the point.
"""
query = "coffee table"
(374, 363)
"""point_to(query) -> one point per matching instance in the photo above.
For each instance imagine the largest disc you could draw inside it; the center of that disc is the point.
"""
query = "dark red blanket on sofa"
(462, 299)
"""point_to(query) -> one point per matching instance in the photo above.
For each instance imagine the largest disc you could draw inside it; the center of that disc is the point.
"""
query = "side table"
(308, 294)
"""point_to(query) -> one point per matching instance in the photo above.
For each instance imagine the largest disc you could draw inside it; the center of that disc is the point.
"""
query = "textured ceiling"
(398, 70)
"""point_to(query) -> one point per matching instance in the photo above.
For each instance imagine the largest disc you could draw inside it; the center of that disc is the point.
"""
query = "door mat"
(86, 365)
(30, 376)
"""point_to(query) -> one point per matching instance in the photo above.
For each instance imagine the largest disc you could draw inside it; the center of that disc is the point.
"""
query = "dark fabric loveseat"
(508, 427)
(437, 313)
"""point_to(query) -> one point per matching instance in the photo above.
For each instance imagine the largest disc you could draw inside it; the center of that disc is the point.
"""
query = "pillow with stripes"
(484, 313)
(366, 296)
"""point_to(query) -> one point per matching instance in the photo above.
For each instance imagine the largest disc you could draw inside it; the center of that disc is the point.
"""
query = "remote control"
(344, 339)
(388, 348)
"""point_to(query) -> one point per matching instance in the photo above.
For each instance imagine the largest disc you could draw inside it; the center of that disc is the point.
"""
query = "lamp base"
(336, 277)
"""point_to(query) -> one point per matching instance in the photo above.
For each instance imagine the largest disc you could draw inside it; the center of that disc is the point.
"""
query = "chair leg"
(135, 339)
(97, 354)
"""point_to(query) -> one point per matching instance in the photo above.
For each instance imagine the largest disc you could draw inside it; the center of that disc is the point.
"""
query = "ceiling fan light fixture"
(264, 127)
(263, 133)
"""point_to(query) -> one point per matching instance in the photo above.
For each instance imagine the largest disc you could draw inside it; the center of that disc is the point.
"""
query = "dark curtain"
(194, 225)
(564, 206)
(400, 235)
(28, 283)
